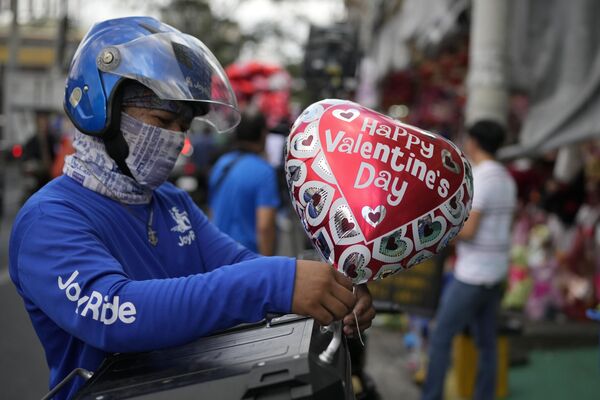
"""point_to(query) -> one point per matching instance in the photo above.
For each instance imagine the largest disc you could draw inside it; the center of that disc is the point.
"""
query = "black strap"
(114, 142)
(226, 169)
(118, 150)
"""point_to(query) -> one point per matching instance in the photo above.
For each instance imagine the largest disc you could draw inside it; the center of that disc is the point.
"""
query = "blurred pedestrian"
(39, 153)
(65, 146)
(108, 257)
(243, 188)
(473, 297)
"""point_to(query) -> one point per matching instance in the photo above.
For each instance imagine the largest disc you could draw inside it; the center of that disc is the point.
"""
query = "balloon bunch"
(264, 85)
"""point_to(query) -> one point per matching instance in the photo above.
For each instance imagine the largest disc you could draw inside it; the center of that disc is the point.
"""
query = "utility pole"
(11, 64)
(9, 70)
(487, 91)
(61, 34)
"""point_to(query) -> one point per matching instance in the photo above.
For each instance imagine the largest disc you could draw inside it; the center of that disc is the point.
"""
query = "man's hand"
(321, 292)
(364, 311)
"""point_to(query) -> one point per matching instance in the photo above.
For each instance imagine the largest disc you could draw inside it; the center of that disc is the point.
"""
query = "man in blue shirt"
(244, 174)
(109, 258)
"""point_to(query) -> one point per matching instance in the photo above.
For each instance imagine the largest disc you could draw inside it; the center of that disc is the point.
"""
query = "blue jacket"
(93, 284)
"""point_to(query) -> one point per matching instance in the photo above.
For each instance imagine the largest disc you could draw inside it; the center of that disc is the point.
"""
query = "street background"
(435, 64)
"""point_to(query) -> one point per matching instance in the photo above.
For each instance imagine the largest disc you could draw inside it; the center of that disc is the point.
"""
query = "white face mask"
(153, 151)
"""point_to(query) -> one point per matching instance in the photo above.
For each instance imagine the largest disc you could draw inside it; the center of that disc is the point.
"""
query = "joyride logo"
(387, 169)
(101, 308)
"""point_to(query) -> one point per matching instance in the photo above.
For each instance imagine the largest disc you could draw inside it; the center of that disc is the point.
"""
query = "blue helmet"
(174, 65)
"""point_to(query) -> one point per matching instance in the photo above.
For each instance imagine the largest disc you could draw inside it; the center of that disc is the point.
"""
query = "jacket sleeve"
(67, 272)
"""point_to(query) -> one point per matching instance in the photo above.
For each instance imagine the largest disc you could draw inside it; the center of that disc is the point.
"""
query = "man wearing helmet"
(109, 258)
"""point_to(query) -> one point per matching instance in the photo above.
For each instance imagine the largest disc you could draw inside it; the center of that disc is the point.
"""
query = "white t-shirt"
(483, 260)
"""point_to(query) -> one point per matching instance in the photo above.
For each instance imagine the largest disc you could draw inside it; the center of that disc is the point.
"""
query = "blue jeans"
(463, 304)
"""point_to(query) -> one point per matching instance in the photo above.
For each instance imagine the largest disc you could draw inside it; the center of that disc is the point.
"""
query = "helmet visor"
(176, 67)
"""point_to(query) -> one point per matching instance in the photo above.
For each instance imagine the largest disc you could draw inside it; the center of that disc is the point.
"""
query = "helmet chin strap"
(118, 150)
(116, 146)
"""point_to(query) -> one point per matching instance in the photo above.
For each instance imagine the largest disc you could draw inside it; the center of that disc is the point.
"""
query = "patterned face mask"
(153, 151)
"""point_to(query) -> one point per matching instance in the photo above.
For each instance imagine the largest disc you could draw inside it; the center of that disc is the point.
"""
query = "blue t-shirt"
(93, 284)
(250, 184)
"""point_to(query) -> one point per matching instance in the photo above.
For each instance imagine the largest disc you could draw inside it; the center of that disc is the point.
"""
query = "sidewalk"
(557, 374)
(563, 362)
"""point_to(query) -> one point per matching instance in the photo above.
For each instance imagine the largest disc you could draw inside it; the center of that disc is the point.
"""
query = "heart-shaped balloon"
(375, 195)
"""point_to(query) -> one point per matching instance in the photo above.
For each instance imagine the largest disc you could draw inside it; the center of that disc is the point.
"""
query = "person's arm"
(483, 191)
(66, 271)
(319, 290)
(470, 227)
(265, 230)
(62, 267)
(267, 202)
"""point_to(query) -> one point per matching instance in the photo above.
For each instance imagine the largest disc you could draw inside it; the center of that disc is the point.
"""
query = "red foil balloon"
(374, 195)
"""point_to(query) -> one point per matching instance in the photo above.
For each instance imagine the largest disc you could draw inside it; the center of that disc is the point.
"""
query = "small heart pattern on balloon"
(348, 115)
(373, 216)
(374, 195)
